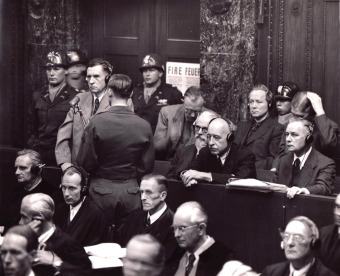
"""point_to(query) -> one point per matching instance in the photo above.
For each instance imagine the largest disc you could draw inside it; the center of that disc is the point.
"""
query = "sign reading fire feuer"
(183, 75)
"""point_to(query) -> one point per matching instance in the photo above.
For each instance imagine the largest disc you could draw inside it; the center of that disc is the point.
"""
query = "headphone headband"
(84, 175)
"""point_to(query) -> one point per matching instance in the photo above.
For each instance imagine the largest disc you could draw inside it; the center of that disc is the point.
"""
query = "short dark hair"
(28, 233)
(107, 67)
(269, 94)
(160, 179)
(121, 85)
(35, 156)
(194, 92)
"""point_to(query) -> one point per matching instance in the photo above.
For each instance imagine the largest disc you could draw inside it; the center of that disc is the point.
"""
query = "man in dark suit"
(308, 105)
(96, 102)
(117, 149)
(174, 127)
(304, 170)
(148, 98)
(262, 134)
(198, 253)
(28, 166)
(50, 106)
(221, 159)
(79, 216)
(185, 155)
(155, 218)
(57, 251)
(300, 240)
(329, 252)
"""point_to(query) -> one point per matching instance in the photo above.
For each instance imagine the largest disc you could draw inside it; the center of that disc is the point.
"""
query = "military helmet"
(287, 91)
(57, 59)
(76, 57)
(152, 61)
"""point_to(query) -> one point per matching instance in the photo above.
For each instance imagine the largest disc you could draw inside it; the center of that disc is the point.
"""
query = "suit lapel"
(178, 123)
(247, 128)
(104, 103)
(62, 96)
(287, 169)
(308, 169)
(260, 131)
(230, 160)
(86, 106)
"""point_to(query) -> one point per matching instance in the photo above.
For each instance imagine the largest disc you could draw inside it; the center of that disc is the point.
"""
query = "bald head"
(218, 132)
(201, 127)
(193, 212)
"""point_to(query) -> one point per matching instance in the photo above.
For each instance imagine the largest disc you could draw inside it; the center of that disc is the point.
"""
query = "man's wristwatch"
(57, 265)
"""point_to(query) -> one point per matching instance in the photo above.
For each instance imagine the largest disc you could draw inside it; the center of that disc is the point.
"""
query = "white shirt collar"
(224, 156)
(99, 98)
(302, 271)
(44, 237)
(31, 273)
(157, 215)
(209, 242)
(74, 210)
(303, 158)
(35, 183)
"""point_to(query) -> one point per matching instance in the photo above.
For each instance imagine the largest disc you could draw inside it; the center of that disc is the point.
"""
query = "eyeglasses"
(296, 237)
(181, 229)
(198, 128)
(190, 111)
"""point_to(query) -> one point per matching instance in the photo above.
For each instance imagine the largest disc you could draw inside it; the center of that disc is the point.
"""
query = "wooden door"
(299, 41)
(123, 32)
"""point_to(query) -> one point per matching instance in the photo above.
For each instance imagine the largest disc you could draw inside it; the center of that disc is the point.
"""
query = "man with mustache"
(186, 154)
(174, 127)
(222, 159)
(50, 106)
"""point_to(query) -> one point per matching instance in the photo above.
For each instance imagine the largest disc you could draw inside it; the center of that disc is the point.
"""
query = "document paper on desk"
(252, 183)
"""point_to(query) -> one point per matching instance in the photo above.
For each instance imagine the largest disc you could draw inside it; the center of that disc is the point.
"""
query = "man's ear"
(160, 73)
(66, 71)
(32, 255)
(202, 226)
(163, 195)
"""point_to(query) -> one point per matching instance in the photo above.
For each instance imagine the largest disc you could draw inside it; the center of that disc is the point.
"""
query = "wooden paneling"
(304, 48)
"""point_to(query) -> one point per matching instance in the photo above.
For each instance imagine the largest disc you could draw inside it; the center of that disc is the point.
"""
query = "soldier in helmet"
(77, 70)
(283, 99)
(50, 106)
(148, 98)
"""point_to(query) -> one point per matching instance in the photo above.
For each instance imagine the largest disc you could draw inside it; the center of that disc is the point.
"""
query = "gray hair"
(41, 205)
(35, 156)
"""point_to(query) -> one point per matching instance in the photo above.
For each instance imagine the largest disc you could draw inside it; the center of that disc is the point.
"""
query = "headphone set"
(36, 168)
(315, 243)
(310, 137)
(84, 178)
(231, 135)
(109, 67)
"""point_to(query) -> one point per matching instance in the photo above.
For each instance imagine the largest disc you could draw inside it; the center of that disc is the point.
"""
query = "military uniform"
(47, 117)
(164, 95)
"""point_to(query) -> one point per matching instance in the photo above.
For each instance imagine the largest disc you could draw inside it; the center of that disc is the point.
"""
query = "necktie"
(296, 170)
(148, 222)
(220, 162)
(96, 105)
(190, 264)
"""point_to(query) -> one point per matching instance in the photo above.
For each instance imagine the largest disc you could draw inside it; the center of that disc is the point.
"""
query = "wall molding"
(309, 43)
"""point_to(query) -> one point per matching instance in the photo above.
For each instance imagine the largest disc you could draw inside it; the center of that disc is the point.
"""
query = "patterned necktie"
(148, 222)
(96, 105)
(190, 264)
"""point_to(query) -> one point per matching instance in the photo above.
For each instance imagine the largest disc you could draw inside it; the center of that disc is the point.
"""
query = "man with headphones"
(28, 167)
(300, 241)
(96, 102)
(304, 170)
(262, 134)
(155, 218)
(79, 216)
(221, 159)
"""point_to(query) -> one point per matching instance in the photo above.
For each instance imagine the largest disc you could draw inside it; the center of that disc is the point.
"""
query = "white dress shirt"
(44, 237)
(74, 210)
(302, 271)
(157, 215)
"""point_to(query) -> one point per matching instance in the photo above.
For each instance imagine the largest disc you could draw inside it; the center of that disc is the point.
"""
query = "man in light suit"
(262, 134)
(174, 127)
(96, 102)
(304, 169)
(186, 154)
